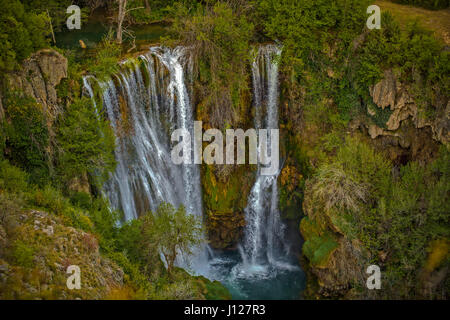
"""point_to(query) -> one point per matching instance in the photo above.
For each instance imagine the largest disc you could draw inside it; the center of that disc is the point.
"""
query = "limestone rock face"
(39, 77)
(389, 92)
(384, 92)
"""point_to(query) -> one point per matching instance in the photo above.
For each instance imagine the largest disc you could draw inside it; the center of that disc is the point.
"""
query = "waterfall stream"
(264, 233)
(264, 268)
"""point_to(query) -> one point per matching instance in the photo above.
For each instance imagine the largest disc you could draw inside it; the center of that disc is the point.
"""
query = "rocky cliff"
(410, 132)
(39, 77)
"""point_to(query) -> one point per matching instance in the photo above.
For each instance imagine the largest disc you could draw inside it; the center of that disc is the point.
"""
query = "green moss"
(213, 290)
(224, 197)
(318, 249)
(319, 244)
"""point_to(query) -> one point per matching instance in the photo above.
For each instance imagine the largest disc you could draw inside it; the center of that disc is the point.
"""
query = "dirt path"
(436, 20)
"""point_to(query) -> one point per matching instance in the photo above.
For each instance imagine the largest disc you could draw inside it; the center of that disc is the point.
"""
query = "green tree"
(86, 142)
(21, 33)
(172, 231)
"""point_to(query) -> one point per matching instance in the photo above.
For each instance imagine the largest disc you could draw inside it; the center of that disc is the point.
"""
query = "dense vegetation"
(397, 210)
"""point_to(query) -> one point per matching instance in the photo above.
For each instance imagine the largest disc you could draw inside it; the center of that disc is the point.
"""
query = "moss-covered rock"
(224, 201)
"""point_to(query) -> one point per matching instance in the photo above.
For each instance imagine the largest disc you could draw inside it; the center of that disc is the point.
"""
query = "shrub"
(27, 137)
(105, 62)
(21, 33)
(12, 179)
(23, 254)
(50, 199)
(82, 200)
(220, 40)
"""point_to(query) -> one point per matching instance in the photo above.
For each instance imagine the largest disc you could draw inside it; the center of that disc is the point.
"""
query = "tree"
(172, 232)
(86, 142)
(21, 33)
(121, 15)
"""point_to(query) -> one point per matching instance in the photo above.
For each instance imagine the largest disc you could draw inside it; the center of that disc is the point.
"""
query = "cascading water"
(264, 233)
(144, 102)
(264, 267)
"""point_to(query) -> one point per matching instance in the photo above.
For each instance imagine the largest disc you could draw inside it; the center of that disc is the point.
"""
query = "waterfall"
(144, 103)
(263, 243)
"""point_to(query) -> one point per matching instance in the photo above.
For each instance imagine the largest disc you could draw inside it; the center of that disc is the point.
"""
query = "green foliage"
(12, 179)
(23, 254)
(416, 56)
(86, 142)
(105, 221)
(152, 10)
(56, 9)
(307, 26)
(27, 137)
(319, 243)
(51, 199)
(21, 33)
(105, 62)
(81, 200)
(214, 289)
(172, 231)
(220, 41)
(398, 215)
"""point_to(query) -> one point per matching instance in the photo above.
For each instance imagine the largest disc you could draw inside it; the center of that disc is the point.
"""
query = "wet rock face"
(389, 92)
(39, 77)
(224, 202)
(225, 229)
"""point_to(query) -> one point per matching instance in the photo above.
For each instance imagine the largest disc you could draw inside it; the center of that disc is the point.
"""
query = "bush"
(27, 137)
(82, 200)
(50, 199)
(23, 254)
(105, 222)
(12, 179)
(106, 59)
(220, 41)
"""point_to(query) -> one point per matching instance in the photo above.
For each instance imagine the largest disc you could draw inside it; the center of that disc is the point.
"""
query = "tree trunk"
(147, 6)
(120, 17)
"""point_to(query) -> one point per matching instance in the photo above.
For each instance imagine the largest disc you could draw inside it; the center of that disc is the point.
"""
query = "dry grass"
(435, 20)
(335, 188)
